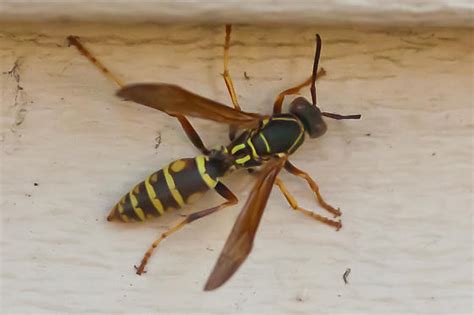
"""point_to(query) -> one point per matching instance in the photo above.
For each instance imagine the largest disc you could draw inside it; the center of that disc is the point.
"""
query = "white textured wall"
(402, 175)
(401, 13)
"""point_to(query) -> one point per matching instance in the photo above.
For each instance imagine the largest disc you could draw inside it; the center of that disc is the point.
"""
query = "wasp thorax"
(310, 116)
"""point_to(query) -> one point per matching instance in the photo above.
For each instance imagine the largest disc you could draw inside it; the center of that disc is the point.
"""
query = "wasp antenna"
(340, 117)
(315, 69)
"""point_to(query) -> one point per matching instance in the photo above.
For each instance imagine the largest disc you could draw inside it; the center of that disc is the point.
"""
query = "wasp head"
(310, 116)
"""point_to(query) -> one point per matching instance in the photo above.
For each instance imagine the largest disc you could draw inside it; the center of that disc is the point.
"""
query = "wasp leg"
(222, 190)
(192, 134)
(74, 40)
(228, 80)
(314, 187)
(294, 90)
(188, 128)
(294, 204)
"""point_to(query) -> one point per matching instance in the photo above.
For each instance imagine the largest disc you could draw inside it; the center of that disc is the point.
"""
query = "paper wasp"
(262, 142)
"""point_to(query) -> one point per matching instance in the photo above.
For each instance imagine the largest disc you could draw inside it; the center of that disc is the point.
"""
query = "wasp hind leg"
(188, 128)
(222, 190)
(294, 204)
(74, 41)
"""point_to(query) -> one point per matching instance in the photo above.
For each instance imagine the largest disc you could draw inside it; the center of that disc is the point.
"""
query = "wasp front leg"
(314, 187)
(294, 90)
(294, 204)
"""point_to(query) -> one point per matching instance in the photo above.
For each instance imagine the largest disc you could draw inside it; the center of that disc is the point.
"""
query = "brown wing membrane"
(175, 100)
(240, 241)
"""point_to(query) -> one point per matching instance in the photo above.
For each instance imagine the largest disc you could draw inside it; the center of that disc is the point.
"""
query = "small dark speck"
(345, 275)
(338, 295)
(131, 285)
(433, 154)
(36, 184)
(62, 98)
(299, 299)
(246, 76)
(209, 249)
(432, 297)
(28, 195)
(157, 141)
(368, 134)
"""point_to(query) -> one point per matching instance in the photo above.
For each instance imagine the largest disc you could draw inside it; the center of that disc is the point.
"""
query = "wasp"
(262, 143)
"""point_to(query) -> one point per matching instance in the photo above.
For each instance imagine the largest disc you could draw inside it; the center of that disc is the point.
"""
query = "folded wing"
(175, 101)
(240, 241)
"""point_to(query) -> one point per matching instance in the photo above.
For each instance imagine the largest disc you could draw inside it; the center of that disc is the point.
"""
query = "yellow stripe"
(138, 211)
(254, 152)
(243, 160)
(152, 196)
(265, 141)
(285, 118)
(172, 187)
(201, 164)
(237, 148)
(121, 210)
(299, 137)
(124, 218)
(178, 166)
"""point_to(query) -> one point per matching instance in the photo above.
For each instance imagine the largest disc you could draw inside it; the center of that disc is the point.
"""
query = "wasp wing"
(240, 241)
(176, 101)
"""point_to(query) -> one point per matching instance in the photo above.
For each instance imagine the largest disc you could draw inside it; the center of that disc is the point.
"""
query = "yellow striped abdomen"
(182, 182)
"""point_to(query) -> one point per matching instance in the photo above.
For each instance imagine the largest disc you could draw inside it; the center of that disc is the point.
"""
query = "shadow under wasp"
(262, 142)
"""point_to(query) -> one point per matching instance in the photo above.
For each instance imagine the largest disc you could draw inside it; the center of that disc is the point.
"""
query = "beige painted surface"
(402, 175)
(411, 13)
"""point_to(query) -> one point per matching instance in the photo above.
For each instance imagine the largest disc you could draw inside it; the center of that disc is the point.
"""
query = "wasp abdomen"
(182, 182)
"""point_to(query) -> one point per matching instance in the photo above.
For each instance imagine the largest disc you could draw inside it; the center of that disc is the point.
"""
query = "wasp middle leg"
(192, 134)
(294, 204)
(222, 190)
